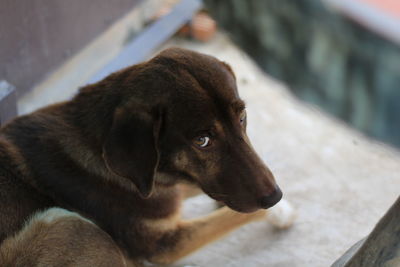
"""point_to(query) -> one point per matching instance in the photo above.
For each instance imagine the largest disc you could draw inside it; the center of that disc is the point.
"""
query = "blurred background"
(320, 79)
(340, 55)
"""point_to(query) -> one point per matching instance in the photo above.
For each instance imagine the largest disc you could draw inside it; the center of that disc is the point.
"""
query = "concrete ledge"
(340, 181)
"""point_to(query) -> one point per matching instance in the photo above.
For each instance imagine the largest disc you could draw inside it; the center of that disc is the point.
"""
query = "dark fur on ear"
(229, 68)
(131, 148)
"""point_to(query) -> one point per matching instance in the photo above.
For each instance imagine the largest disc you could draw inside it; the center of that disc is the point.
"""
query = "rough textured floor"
(340, 181)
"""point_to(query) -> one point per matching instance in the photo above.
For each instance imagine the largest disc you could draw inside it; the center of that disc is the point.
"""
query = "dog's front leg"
(193, 234)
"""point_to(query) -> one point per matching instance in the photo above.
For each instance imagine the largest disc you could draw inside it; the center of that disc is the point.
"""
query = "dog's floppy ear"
(131, 147)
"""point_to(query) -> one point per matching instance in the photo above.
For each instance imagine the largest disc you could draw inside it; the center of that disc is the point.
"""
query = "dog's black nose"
(271, 199)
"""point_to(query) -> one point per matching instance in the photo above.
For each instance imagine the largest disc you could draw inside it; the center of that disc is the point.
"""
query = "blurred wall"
(325, 58)
(37, 36)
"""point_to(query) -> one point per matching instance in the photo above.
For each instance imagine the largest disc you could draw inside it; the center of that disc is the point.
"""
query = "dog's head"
(182, 119)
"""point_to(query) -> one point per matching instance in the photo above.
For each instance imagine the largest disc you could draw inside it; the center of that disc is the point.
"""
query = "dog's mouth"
(218, 197)
(236, 205)
(241, 207)
(246, 204)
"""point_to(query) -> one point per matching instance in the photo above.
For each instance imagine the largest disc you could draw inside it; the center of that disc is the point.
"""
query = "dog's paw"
(282, 215)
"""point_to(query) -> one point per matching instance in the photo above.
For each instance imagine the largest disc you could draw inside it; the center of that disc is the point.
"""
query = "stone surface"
(340, 182)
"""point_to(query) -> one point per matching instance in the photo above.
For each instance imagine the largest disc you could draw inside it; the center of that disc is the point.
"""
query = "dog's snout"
(271, 199)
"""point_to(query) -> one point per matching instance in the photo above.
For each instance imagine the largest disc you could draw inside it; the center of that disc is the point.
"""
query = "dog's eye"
(202, 141)
(242, 117)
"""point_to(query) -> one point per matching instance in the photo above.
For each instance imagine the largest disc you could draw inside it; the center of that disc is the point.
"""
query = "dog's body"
(115, 155)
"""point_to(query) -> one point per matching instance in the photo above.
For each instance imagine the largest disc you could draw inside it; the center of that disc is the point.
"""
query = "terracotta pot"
(203, 27)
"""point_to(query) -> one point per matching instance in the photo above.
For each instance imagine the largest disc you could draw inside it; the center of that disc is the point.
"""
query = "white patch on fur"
(282, 215)
(52, 214)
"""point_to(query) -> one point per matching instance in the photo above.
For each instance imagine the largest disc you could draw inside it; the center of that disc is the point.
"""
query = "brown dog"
(114, 156)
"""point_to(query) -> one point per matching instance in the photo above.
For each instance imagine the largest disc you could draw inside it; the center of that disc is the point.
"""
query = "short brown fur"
(117, 153)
